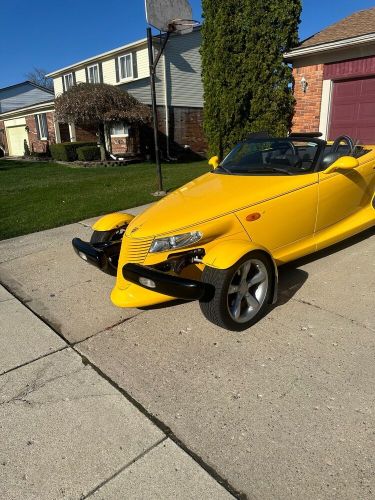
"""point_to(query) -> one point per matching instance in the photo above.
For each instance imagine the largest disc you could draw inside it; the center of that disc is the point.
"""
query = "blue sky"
(55, 34)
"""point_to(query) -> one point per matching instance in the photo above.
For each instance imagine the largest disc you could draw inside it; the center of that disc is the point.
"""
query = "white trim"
(131, 80)
(129, 46)
(325, 108)
(15, 122)
(127, 78)
(57, 130)
(96, 65)
(339, 44)
(72, 132)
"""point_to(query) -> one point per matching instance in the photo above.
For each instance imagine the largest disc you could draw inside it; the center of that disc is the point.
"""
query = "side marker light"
(253, 217)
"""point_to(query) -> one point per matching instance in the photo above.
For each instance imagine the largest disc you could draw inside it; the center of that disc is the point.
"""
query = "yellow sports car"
(220, 238)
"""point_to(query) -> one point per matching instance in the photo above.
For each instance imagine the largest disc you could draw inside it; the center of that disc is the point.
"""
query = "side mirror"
(214, 162)
(344, 163)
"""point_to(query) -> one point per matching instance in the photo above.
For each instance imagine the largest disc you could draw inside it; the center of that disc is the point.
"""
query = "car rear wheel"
(241, 294)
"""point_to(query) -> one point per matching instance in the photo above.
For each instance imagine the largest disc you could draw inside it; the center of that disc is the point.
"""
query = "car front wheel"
(241, 294)
(99, 237)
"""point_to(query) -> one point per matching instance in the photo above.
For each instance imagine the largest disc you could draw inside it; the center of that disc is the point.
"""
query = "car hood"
(210, 196)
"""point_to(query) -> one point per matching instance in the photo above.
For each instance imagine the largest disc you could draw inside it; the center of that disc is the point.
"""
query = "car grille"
(136, 250)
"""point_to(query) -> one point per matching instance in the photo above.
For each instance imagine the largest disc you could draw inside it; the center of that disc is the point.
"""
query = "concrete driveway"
(283, 410)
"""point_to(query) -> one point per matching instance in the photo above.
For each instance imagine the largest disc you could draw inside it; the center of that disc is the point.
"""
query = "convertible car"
(220, 238)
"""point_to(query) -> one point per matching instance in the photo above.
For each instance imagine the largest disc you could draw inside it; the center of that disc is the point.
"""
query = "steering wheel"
(343, 138)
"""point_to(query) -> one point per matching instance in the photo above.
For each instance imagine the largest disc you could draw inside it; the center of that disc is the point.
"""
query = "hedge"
(88, 153)
(67, 151)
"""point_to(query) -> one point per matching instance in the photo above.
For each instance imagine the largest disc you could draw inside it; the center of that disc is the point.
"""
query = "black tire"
(104, 237)
(216, 307)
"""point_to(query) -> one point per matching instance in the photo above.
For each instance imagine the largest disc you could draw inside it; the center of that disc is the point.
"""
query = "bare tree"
(38, 76)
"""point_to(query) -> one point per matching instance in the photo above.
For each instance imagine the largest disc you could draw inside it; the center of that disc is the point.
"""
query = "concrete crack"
(155, 445)
(355, 322)
(107, 329)
(35, 385)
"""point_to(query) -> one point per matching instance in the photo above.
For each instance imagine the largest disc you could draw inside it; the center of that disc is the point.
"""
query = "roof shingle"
(357, 24)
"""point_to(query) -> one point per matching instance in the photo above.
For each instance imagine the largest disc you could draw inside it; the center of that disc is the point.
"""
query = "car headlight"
(173, 242)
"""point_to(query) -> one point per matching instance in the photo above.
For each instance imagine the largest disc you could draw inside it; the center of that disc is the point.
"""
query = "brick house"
(178, 86)
(334, 74)
(26, 114)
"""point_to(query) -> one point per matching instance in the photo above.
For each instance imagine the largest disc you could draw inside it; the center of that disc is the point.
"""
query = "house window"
(68, 81)
(118, 129)
(93, 74)
(126, 67)
(42, 129)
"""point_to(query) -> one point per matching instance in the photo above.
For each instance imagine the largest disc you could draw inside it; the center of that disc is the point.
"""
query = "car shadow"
(292, 278)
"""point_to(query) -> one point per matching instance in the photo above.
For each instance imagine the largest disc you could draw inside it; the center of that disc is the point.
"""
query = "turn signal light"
(253, 217)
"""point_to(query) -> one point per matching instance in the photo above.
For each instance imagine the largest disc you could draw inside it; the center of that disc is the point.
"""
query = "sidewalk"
(66, 432)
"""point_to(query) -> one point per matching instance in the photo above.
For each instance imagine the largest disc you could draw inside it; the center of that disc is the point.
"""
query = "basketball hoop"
(168, 17)
(182, 26)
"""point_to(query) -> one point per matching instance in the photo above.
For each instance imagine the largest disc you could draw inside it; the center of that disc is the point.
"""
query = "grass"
(38, 196)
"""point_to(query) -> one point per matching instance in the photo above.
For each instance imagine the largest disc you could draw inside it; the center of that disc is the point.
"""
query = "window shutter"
(117, 70)
(135, 68)
(37, 126)
(87, 75)
(100, 66)
(74, 78)
(63, 83)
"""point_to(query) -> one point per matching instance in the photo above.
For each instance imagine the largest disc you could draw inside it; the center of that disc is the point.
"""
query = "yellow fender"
(112, 221)
(228, 252)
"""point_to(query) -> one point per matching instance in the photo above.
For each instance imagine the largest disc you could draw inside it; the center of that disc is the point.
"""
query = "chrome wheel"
(247, 290)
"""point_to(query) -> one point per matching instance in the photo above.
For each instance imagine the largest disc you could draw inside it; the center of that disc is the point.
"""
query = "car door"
(286, 218)
(343, 193)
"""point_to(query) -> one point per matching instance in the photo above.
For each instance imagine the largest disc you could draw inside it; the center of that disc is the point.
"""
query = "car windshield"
(271, 156)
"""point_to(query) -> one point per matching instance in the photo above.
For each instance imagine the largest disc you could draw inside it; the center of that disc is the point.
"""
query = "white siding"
(16, 122)
(58, 86)
(183, 75)
(109, 71)
(80, 75)
(181, 66)
(142, 63)
(184, 71)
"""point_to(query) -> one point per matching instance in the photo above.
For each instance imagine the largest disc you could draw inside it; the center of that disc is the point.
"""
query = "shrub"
(88, 153)
(26, 148)
(67, 151)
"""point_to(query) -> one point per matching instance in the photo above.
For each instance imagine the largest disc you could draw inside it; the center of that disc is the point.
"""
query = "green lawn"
(37, 196)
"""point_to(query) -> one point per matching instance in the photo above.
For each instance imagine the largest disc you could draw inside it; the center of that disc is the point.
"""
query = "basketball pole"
(153, 65)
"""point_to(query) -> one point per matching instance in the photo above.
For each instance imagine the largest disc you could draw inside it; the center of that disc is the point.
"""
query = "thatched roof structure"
(94, 103)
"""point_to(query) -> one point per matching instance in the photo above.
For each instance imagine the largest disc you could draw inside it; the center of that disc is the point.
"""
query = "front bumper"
(165, 284)
(104, 256)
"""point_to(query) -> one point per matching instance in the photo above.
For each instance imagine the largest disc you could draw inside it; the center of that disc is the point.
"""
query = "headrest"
(329, 159)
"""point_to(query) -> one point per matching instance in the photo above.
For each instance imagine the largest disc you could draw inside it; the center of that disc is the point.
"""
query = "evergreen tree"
(247, 85)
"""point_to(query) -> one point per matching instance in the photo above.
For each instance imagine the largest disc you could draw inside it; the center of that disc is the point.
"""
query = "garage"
(353, 109)
(334, 79)
(16, 135)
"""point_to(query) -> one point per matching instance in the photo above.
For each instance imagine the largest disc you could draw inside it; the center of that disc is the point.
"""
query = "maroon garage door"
(353, 110)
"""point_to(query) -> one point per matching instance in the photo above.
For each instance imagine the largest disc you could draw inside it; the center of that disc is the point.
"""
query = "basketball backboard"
(164, 15)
